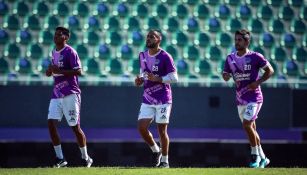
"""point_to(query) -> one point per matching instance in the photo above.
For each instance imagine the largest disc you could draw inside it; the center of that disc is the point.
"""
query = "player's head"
(61, 35)
(242, 39)
(153, 39)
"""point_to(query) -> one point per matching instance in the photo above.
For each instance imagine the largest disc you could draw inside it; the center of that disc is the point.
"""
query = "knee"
(247, 126)
(142, 128)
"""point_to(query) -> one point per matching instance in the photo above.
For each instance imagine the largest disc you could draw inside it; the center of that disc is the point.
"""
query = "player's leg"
(264, 160)
(145, 118)
(54, 116)
(162, 119)
(71, 109)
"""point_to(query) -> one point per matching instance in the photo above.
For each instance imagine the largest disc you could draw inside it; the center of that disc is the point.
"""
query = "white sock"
(58, 151)
(164, 158)
(84, 154)
(155, 148)
(261, 153)
(254, 150)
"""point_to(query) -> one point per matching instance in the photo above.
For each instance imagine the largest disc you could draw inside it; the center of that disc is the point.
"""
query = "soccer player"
(243, 66)
(157, 72)
(66, 100)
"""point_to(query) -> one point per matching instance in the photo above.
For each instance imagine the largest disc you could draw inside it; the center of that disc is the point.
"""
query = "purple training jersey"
(159, 64)
(245, 70)
(65, 59)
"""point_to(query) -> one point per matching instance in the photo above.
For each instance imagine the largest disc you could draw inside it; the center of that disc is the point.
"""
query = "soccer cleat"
(163, 165)
(157, 158)
(60, 163)
(87, 163)
(264, 162)
(255, 159)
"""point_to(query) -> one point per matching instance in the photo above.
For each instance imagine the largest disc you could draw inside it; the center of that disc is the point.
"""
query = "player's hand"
(138, 81)
(154, 78)
(226, 76)
(253, 86)
(55, 69)
(48, 71)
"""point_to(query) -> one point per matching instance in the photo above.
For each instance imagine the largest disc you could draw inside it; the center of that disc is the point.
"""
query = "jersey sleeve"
(170, 65)
(262, 62)
(74, 59)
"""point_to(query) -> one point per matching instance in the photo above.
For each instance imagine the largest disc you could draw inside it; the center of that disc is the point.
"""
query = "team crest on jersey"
(157, 61)
(61, 58)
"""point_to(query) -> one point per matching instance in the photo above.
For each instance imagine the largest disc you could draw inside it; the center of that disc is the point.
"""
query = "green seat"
(133, 23)
(296, 3)
(114, 39)
(202, 39)
(299, 54)
(259, 49)
(126, 52)
(265, 12)
(82, 51)
(73, 39)
(11, 22)
(233, 24)
(191, 2)
(62, 9)
(224, 40)
(214, 53)
(23, 66)
(51, 22)
(114, 67)
(172, 51)
(303, 13)
(203, 67)
(103, 52)
(182, 67)
(279, 54)
(12, 51)
(113, 24)
(255, 26)
(161, 11)
(4, 66)
(32, 23)
(276, 26)
(254, 3)
(152, 23)
(212, 2)
(286, 13)
(34, 51)
(24, 37)
(92, 38)
(275, 3)
(304, 40)
(3, 8)
(141, 11)
(81, 9)
(151, 2)
(244, 12)
(288, 40)
(202, 12)
(21, 9)
(45, 37)
(172, 24)
(134, 66)
(41, 9)
(267, 40)
(220, 66)
(92, 67)
(181, 11)
(275, 68)
(4, 37)
(298, 26)
(191, 53)
(181, 39)
(170, 2)
(301, 83)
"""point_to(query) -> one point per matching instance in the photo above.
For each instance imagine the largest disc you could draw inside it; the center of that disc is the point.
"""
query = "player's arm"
(268, 72)
(48, 71)
(169, 78)
(138, 81)
(226, 76)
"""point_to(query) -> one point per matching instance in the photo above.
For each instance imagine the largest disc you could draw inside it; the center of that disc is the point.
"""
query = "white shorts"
(161, 113)
(69, 106)
(249, 112)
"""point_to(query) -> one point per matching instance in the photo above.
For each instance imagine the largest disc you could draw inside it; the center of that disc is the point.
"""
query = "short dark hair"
(64, 30)
(244, 33)
(156, 31)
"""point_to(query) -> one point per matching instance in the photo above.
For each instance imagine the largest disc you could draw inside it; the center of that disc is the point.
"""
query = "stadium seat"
(275, 3)
(91, 38)
(11, 22)
(81, 9)
(279, 54)
(161, 11)
(214, 25)
(126, 52)
(51, 22)
(233, 24)
(305, 68)
(212, 2)
(4, 37)
(304, 40)
(203, 67)
(288, 40)
(137, 38)
(4, 66)
(192, 25)
(141, 10)
(170, 2)
(103, 52)
(32, 23)
(299, 54)
(3, 8)
(244, 12)
(152, 23)
(282, 81)
(202, 12)
(93, 23)
(61, 9)
(23, 66)
(102, 10)
(290, 68)
(286, 13)
(202, 40)
(298, 27)
(275, 68)
(276, 26)
(41, 9)
(214, 53)
(254, 3)
(180, 39)
(132, 23)
(114, 67)
(303, 13)
(267, 40)
(92, 67)
(191, 53)
(24, 37)
(296, 3)
(191, 2)
(43, 66)
(113, 24)
(134, 66)
(21, 9)
(73, 39)
(224, 40)
(182, 67)
(301, 83)
(255, 26)
(73, 23)
(172, 51)
(223, 11)
(12, 51)
(259, 49)
(220, 66)
(181, 11)
(232, 2)
(82, 51)
(265, 12)
(122, 10)
(172, 24)
(34, 51)
(151, 2)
